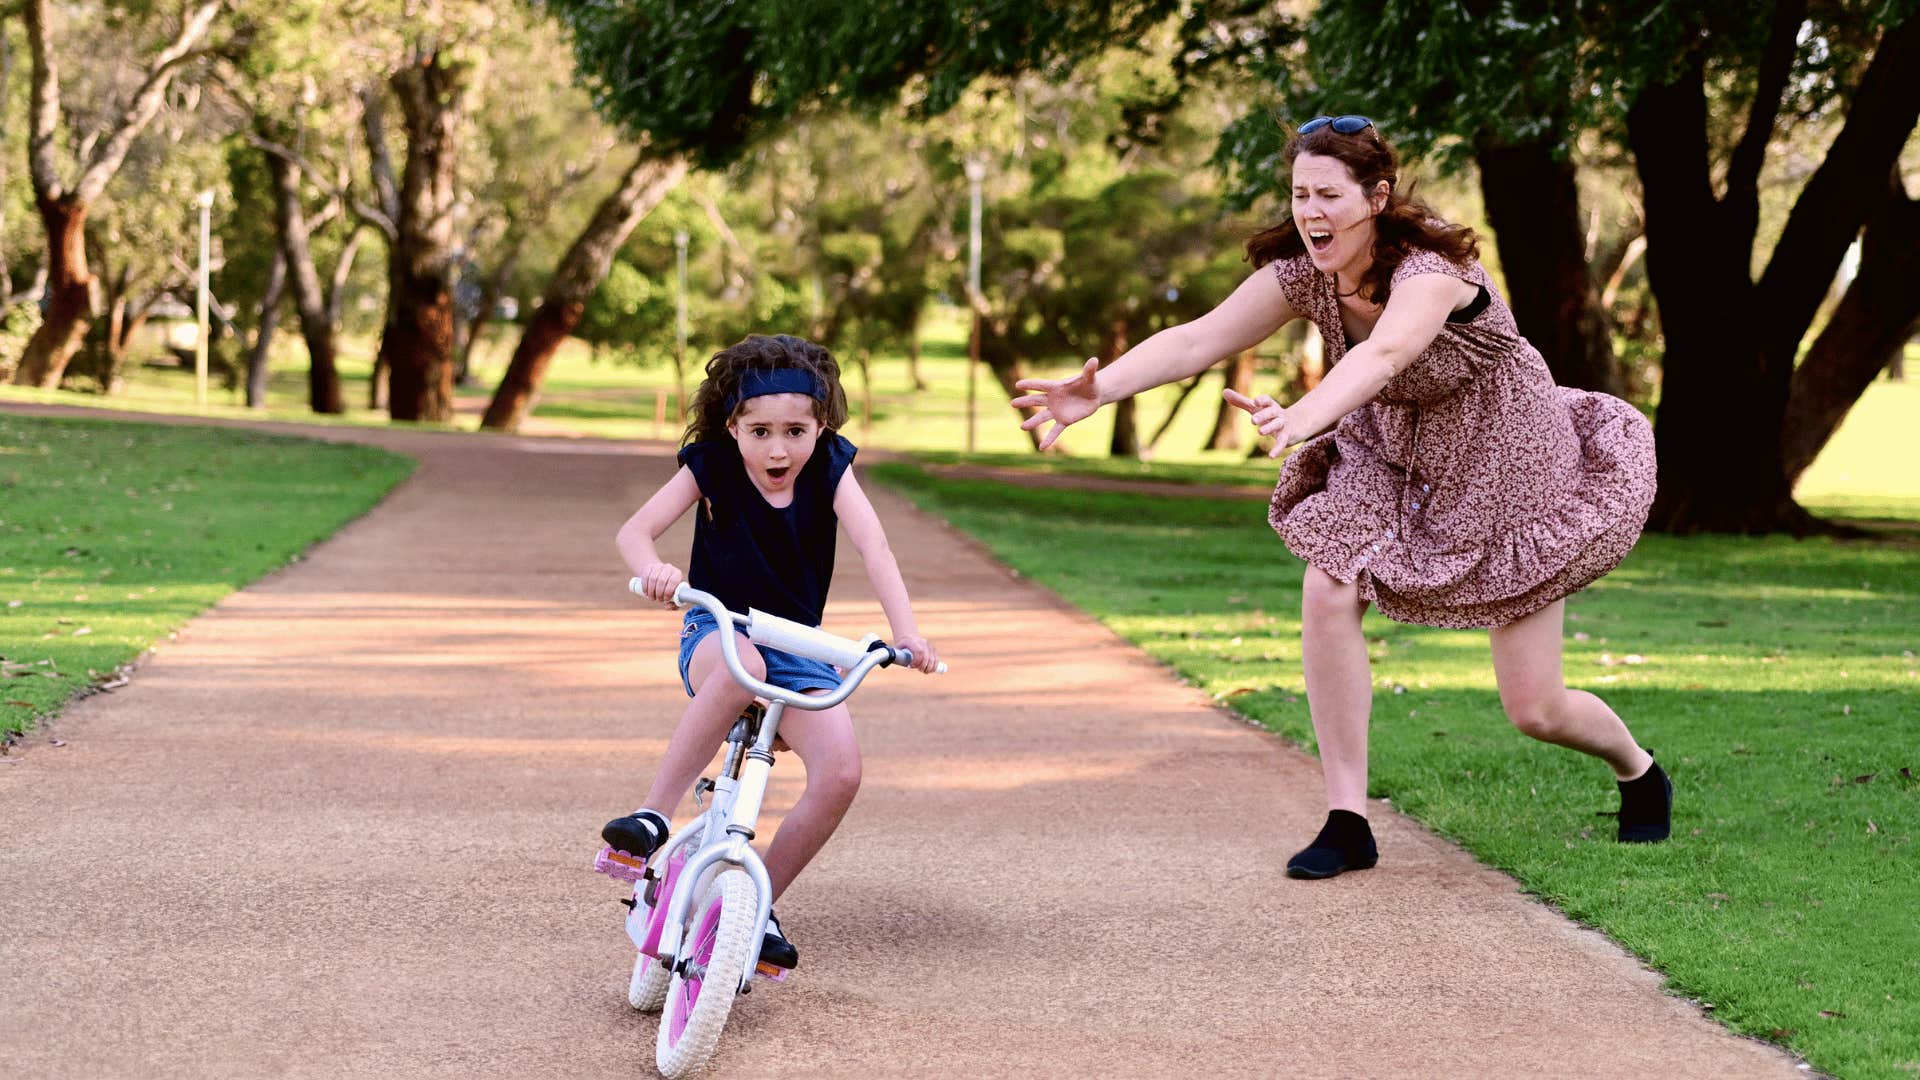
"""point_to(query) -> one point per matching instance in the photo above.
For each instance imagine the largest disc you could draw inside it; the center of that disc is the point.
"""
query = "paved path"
(340, 828)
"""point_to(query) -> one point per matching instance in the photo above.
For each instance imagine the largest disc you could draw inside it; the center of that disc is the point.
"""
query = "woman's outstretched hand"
(1267, 415)
(1063, 401)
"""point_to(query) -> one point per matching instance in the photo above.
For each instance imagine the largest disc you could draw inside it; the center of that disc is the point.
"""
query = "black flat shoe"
(1646, 807)
(639, 834)
(1345, 843)
(775, 949)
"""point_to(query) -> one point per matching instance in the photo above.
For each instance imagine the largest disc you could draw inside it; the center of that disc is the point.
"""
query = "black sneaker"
(639, 834)
(1646, 807)
(1345, 843)
(775, 949)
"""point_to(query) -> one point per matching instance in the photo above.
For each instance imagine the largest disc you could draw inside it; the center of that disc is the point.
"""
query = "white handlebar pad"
(802, 640)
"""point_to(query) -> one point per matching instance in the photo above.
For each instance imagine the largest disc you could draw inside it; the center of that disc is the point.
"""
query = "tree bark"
(1126, 429)
(1868, 329)
(1229, 422)
(580, 272)
(263, 335)
(69, 296)
(316, 323)
(417, 345)
(1533, 205)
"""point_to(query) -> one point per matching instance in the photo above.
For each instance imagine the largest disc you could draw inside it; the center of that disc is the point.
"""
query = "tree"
(64, 206)
(1731, 339)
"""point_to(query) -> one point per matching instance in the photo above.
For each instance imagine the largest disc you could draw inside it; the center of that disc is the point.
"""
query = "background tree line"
(1671, 189)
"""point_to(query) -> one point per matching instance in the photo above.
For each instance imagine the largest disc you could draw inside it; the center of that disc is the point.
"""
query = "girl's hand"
(924, 658)
(1063, 401)
(659, 580)
(1267, 415)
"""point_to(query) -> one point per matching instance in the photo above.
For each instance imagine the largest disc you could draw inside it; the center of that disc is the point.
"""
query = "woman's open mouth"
(1321, 239)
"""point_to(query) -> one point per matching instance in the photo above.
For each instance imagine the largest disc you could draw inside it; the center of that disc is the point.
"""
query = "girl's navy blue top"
(753, 554)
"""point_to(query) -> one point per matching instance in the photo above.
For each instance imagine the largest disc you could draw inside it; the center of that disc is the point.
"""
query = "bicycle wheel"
(717, 949)
(647, 989)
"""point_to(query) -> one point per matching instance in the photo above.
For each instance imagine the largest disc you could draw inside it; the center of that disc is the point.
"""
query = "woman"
(1457, 487)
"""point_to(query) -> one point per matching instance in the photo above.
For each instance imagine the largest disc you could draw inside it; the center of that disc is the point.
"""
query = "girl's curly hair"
(1405, 223)
(762, 352)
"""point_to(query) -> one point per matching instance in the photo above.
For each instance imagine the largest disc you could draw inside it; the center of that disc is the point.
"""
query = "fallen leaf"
(1871, 827)
(22, 704)
(56, 742)
(1833, 1015)
(1867, 779)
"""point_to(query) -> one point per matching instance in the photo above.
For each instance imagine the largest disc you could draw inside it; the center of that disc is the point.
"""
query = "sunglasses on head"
(1345, 125)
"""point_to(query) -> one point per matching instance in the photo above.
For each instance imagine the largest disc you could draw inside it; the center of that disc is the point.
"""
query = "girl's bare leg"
(1527, 663)
(1333, 655)
(716, 703)
(825, 742)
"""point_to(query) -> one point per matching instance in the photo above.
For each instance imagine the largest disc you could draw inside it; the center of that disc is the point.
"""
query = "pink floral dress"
(1471, 491)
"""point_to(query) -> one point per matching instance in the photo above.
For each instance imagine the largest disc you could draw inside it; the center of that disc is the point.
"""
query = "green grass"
(1776, 678)
(113, 534)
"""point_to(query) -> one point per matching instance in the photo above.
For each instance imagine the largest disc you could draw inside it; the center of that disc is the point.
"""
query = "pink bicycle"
(700, 903)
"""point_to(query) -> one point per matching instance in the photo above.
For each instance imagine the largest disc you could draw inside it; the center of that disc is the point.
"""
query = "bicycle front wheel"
(647, 989)
(714, 956)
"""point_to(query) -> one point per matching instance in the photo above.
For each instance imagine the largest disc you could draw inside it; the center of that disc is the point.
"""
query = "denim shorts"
(785, 670)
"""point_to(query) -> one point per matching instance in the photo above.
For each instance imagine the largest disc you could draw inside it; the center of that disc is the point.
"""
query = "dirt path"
(341, 828)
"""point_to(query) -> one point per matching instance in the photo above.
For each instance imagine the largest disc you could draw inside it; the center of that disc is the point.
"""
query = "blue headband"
(756, 383)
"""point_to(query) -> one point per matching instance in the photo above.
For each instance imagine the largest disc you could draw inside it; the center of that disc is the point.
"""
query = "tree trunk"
(1126, 430)
(1714, 476)
(263, 335)
(417, 345)
(1868, 329)
(1228, 422)
(1533, 205)
(580, 272)
(69, 296)
(316, 325)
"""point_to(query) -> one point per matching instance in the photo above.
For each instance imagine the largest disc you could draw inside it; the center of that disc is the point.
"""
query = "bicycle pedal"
(620, 865)
(764, 970)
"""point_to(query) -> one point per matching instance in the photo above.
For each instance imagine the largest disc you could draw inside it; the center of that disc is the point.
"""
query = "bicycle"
(700, 903)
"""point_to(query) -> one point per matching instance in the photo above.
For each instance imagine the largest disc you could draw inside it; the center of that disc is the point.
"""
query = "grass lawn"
(1775, 678)
(112, 534)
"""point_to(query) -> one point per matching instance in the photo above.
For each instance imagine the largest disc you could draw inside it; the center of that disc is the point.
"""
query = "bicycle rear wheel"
(714, 956)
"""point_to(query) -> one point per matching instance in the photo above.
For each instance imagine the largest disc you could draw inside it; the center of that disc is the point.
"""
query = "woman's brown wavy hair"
(762, 352)
(1406, 222)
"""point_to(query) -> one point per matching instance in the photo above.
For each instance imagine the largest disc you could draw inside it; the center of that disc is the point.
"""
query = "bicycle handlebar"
(855, 658)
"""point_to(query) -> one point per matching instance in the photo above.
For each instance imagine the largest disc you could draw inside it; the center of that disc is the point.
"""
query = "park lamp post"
(205, 201)
(679, 321)
(976, 171)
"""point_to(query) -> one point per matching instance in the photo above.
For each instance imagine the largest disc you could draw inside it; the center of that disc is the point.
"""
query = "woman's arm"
(863, 527)
(1245, 319)
(1414, 315)
(636, 538)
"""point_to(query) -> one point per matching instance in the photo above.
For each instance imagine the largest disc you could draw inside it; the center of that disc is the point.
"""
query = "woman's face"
(1333, 215)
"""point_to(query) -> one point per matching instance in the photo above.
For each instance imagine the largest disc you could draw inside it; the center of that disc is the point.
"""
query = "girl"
(1444, 477)
(763, 461)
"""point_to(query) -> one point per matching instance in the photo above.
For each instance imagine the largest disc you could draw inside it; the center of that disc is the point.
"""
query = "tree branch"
(1776, 65)
(106, 158)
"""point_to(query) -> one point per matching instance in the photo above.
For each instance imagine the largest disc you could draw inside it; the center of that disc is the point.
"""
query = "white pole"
(680, 320)
(976, 171)
(205, 201)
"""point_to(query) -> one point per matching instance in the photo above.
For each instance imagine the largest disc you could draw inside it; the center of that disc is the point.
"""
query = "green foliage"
(707, 78)
(116, 533)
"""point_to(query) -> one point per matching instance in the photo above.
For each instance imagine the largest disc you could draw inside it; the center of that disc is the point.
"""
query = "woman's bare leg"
(1333, 655)
(1533, 690)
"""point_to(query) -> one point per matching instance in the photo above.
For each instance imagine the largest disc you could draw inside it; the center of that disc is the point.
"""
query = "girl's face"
(1334, 216)
(776, 433)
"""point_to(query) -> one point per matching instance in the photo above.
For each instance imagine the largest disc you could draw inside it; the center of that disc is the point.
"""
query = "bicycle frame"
(736, 804)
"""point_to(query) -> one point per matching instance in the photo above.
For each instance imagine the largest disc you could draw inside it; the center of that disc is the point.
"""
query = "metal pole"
(976, 171)
(680, 321)
(205, 201)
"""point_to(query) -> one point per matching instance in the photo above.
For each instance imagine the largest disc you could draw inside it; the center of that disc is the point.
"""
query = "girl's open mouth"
(775, 472)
